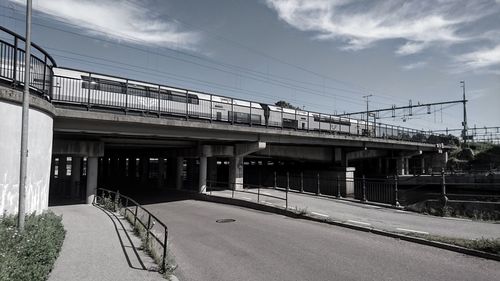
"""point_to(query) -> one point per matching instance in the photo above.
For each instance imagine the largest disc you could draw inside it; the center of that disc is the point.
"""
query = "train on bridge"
(98, 90)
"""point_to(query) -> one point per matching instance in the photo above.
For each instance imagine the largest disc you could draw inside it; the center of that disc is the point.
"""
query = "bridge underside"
(87, 156)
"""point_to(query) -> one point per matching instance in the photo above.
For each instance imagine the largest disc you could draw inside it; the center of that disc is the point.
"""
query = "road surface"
(264, 246)
(372, 216)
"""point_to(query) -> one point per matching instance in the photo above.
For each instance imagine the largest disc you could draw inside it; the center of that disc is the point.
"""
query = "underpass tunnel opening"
(68, 179)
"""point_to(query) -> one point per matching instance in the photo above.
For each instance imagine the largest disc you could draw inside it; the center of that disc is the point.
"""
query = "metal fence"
(12, 65)
(155, 230)
(252, 189)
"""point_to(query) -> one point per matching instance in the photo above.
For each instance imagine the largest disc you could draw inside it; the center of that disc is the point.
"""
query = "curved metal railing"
(12, 65)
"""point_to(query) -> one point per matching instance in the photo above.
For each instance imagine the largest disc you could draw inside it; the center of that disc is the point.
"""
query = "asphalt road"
(378, 217)
(264, 246)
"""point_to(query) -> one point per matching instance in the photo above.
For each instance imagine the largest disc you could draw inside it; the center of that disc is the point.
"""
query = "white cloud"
(481, 58)
(129, 21)
(420, 23)
(415, 65)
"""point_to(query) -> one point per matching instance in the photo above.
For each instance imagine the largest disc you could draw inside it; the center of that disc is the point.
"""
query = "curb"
(344, 199)
(280, 211)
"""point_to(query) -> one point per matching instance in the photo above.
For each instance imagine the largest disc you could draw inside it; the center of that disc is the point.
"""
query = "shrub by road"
(30, 255)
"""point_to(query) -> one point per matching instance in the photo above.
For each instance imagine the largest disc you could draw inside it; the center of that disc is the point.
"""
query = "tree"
(286, 104)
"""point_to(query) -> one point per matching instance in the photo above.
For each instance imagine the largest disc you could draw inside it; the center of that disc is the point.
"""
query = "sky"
(322, 55)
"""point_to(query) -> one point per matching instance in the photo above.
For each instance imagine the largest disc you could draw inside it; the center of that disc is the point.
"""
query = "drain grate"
(225, 220)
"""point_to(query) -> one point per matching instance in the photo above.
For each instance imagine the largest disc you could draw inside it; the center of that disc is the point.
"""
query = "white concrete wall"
(39, 158)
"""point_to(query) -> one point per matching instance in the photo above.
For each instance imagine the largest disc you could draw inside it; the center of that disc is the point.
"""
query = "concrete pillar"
(407, 165)
(379, 166)
(161, 172)
(178, 174)
(236, 172)
(400, 166)
(75, 176)
(386, 168)
(422, 165)
(202, 181)
(346, 178)
(144, 171)
(341, 157)
(212, 169)
(92, 165)
(439, 161)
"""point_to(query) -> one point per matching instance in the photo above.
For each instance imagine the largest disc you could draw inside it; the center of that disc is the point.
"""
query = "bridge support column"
(439, 161)
(92, 166)
(407, 165)
(422, 165)
(202, 181)
(178, 174)
(161, 172)
(212, 169)
(75, 176)
(236, 172)
(346, 178)
(400, 166)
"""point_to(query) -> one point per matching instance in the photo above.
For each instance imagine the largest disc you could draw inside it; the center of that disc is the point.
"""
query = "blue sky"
(323, 55)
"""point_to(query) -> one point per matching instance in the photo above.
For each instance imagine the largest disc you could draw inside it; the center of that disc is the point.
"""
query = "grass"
(487, 245)
(460, 210)
(30, 255)
(301, 211)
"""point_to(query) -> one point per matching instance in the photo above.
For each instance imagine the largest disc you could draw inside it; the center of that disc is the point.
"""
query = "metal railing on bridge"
(101, 91)
(12, 66)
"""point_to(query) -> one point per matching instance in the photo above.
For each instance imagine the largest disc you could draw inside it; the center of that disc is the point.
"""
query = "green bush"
(30, 255)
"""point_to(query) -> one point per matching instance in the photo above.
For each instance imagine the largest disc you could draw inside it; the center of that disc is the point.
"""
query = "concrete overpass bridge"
(89, 129)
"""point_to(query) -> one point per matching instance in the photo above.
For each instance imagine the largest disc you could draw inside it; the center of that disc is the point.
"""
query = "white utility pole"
(25, 117)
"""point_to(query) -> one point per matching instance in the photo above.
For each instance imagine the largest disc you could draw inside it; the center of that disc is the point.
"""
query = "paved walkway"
(373, 216)
(99, 246)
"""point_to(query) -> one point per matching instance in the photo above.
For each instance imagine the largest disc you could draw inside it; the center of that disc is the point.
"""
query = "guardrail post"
(282, 118)
(287, 181)
(396, 199)
(287, 188)
(444, 198)
(159, 99)
(164, 258)
(250, 121)
(44, 73)
(318, 191)
(147, 230)
(211, 108)
(339, 195)
(88, 92)
(232, 111)
(258, 194)
(301, 182)
(274, 179)
(364, 189)
(14, 74)
(135, 214)
(187, 106)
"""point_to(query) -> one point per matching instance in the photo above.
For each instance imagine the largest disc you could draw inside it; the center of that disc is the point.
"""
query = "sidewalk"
(382, 218)
(99, 246)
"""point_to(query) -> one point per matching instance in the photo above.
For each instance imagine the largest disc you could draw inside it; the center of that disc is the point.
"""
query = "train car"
(78, 87)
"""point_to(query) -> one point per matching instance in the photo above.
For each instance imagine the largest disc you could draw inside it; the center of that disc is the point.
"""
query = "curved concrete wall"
(39, 156)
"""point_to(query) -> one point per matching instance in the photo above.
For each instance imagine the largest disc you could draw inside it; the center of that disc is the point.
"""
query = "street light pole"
(25, 117)
(367, 112)
(464, 123)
